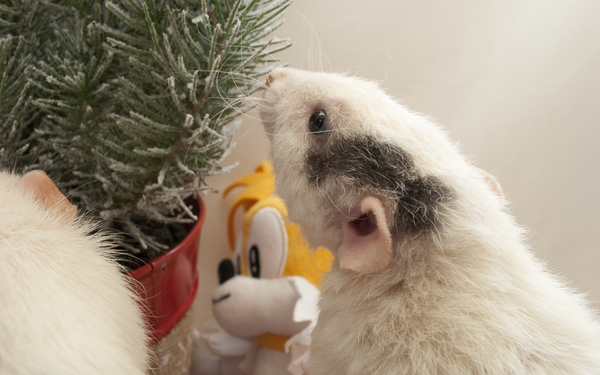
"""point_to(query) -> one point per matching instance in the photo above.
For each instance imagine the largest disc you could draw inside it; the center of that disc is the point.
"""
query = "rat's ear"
(367, 243)
(492, 182)
(47, 194)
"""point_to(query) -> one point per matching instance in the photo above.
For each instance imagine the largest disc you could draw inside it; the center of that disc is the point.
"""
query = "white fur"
(65, 307)
(467, 298)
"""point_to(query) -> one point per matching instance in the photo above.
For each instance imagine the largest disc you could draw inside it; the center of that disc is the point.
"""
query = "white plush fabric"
(65, 307)
(283, 306)
(464, 297)
(306, 310)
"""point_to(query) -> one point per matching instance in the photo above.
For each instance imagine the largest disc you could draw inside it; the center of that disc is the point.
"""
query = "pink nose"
(274, 76)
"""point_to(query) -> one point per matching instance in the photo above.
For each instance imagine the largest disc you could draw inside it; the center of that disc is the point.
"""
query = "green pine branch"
(131, 104)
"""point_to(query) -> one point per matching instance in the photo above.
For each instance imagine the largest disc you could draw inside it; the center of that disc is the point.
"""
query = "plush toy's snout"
(226, 272)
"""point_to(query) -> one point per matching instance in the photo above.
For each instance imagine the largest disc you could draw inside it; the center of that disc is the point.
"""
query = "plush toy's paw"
(304, 365)
(218, 353)
(223, 344)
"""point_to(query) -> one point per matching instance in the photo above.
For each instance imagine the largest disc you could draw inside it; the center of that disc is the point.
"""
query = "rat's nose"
(274, 76)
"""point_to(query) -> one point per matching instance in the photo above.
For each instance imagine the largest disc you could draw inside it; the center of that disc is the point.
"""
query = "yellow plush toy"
(265, 306)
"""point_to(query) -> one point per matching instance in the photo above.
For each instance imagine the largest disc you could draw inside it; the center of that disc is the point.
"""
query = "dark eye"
(317, 123)
(254, 258)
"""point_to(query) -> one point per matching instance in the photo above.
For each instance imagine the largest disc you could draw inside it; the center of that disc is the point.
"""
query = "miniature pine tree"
(128, 105)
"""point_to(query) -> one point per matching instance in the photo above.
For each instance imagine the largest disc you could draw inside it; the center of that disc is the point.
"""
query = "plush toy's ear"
(367, 243)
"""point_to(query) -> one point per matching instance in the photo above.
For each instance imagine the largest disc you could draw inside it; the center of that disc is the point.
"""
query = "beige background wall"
(516, 82)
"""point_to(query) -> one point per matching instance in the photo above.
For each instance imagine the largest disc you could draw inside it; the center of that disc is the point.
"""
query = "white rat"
(431, 273)
(65, 307)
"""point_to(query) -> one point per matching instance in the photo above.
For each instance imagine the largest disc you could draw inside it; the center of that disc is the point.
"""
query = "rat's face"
(357, 170)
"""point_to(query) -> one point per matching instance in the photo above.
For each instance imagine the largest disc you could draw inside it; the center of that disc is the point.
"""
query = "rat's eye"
(317, 123)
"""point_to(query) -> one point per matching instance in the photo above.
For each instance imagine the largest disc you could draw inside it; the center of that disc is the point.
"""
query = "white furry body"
(468, 297)
(65, 307)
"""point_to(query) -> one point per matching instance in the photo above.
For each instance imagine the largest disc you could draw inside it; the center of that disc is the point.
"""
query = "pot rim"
(167, 295)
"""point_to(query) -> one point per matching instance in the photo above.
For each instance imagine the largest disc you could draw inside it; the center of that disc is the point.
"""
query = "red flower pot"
(168, 283)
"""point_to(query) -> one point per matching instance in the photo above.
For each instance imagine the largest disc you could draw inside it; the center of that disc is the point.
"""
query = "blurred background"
(515, 82)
